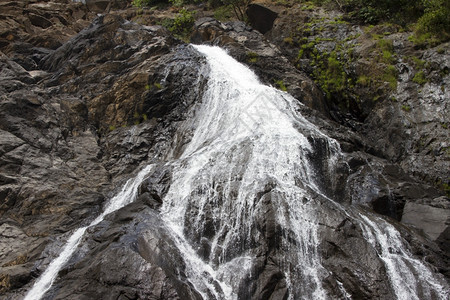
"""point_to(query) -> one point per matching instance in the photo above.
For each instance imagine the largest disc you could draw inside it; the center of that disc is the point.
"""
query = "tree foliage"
(432, 16)
(239, 7)
(436, 18)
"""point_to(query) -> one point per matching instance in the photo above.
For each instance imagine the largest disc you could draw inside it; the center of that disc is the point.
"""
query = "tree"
(239, 7)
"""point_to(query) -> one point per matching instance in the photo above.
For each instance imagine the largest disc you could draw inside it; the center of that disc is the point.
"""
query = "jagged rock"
(134, 244)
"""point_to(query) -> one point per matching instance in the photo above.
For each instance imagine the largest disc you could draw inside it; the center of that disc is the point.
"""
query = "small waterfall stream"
(246, 174)
(124, 197)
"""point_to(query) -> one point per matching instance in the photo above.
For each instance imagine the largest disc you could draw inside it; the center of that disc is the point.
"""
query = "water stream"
(124, 197)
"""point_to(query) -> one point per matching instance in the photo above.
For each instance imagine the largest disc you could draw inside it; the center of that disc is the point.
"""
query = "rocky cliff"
(87, 100)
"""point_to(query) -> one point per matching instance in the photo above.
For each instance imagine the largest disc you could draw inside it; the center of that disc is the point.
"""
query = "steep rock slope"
(90, 113)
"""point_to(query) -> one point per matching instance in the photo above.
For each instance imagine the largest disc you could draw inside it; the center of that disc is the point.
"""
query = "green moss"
(330, 74)
(280, 85)
(252, 57)
(363, 80)
(385, 44)
(406, 108)
(418, 63)
(423, 40)
(444, 125)
(420, 78)
(446, 188)
(157, 85)
(288, 40)
(112, 127)
(388, 57)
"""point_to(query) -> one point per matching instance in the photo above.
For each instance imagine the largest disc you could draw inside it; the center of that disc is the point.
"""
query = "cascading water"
(249, 146)
(246, 194)
(126, 196)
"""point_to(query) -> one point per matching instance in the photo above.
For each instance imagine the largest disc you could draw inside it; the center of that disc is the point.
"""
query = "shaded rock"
(112, 99)
(261, 18)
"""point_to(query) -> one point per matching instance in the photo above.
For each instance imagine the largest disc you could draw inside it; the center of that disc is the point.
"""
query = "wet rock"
(251, 48)
(133, 243)
(58, 129)
(79, 117)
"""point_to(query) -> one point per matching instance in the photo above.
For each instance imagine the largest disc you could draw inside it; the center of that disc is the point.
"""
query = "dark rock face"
(128, 256)
(261, 18)
(81, 121)
(78, 117)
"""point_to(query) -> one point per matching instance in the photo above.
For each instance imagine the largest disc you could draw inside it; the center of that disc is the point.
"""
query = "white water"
(126, 196)
(407, 274)
(247, 135)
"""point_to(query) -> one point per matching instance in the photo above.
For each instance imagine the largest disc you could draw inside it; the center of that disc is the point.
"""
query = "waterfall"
(246, 183)
(248, 138)
(124, 197)
(251, 145)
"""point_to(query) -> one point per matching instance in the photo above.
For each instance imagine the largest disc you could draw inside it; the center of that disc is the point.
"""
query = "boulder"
(261, 18)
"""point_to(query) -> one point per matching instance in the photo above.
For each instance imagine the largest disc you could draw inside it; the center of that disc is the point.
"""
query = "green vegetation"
(155, 85)
(223, 13)
(330, 74)
(363, 80)
(280, 85)
(183, 23)
(420, 78)
(418, 63)
(390, 75)
(446, 188)
(239, 7)
(252, 57)
(406, 108)
(435, 20)
(431, 18)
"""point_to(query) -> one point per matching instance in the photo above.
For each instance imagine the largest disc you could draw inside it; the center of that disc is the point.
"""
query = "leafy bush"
(223, 13)
(436, 19)
(181, 26)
